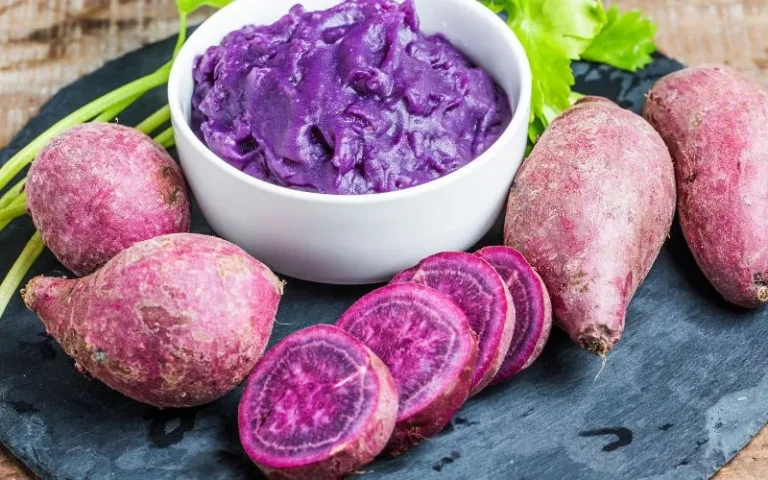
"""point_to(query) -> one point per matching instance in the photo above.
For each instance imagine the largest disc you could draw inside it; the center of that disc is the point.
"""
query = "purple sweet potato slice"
(533, 309)
(481, 294)
(319, 405)
(429, 347)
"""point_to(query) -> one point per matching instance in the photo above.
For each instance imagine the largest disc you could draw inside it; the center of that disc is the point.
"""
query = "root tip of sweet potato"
(28, 294)
(762, 294)
(597, 345)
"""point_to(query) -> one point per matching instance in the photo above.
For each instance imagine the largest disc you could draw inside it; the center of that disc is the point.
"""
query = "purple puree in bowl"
(350, 100)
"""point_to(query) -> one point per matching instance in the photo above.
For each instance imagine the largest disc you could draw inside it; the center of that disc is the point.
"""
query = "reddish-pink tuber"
(98, 188)
(590, 209)
(715, 122)
(318, 406)
(175, 321)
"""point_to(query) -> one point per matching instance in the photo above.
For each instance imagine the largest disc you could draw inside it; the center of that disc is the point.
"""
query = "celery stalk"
(16, 274)
(112, 112)
(12, 193)
(154, 121)
(165, 138)
(17, 208)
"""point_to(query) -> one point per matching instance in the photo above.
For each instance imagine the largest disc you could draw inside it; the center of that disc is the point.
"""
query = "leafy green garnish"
(625, 42)
(552, 32)
(556, 32)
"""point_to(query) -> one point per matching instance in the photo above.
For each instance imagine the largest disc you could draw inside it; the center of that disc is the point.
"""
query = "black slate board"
(682, 393)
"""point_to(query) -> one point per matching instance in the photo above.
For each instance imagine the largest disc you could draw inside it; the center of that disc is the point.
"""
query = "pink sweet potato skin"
(98, 188)
(590, 210)
(357, 447)
(715, 123)
(175, 321)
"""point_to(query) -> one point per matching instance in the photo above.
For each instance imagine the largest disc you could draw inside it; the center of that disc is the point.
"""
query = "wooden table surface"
(46, 44)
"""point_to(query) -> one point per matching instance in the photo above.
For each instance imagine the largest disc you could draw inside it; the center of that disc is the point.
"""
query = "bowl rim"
(519, 120)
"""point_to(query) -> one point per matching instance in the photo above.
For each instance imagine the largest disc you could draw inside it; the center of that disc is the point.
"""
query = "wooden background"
(46, 44)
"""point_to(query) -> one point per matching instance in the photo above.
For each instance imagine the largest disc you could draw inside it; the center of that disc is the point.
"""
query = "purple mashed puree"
(350, 100)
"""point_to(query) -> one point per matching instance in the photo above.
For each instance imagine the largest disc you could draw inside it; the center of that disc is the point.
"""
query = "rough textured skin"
(715, 122)
(594, 99)
(318, 406)
(98, 188)
(426, 342)
(590, 209)
(175, 321)
(482, 295)
(533, 309)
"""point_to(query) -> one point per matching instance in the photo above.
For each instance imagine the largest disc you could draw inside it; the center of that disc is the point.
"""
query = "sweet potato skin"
(715, 123)
(98, 188)
(145, 324)
(590, 210)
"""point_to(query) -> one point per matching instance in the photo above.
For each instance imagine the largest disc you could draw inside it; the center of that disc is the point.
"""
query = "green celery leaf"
(572, 23)
(552, 32)
(625, 42)
(496, 6)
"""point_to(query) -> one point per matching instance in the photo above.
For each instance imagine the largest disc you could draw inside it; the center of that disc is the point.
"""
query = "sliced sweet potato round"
(482, 295)
(318, 406)
(429, 347)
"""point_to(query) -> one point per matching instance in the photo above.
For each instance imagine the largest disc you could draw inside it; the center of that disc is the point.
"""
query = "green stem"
(154, 121)
(12, 193)
(26, 154)
(19, 270)
(166, 138)
(182, 37)
(112, 112)
(16, 209)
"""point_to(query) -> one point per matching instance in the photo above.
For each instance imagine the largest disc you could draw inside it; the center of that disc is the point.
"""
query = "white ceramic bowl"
(357, 239)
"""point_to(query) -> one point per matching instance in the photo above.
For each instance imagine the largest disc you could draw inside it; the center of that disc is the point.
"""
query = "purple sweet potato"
(715, 122)
(429, 347)
(98, 188)
(533, 309)
(175, 321)
(481, 294)
(590, 209)
(318, 406)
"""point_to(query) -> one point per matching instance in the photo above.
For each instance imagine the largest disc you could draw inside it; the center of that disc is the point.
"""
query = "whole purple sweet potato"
(590, 209)
(715, 122)
(175, 321)
(429, 347)
(482, 295)
(98, 188)
(318, 406)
